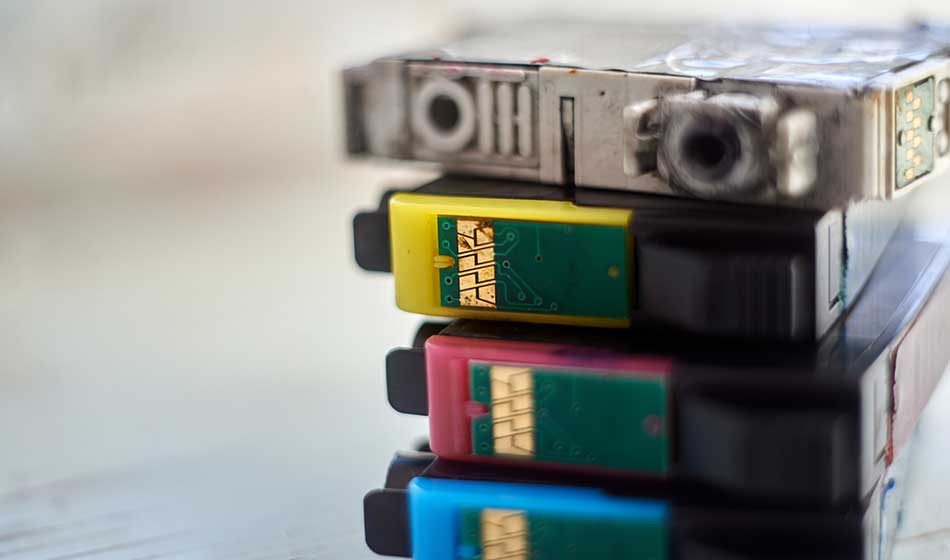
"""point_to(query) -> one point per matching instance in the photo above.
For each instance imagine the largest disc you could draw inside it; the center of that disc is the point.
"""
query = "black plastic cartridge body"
(809, 422)
(436, 509)
(598, 258)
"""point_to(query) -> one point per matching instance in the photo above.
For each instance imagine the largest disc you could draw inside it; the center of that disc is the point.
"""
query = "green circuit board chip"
(913, 109)
(591, 418)
(499, 534)
(534, 267)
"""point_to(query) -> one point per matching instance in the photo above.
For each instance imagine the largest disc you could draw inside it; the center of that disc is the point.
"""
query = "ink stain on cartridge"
(571, 416)
(534, 267)
(503, 534)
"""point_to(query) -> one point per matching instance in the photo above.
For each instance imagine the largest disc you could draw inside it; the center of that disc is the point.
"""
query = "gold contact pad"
(504, 534)
(476, 263)
(512, 410)
(914, 151)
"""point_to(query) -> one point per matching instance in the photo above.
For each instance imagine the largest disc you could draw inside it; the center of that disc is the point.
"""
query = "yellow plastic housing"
(414, 247)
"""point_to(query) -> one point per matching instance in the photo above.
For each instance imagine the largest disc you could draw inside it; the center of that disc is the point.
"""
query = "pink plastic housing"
(447, 369)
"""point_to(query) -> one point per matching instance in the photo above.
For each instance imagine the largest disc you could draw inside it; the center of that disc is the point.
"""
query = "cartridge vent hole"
(708, 150)
(711, 152)
(444, 113)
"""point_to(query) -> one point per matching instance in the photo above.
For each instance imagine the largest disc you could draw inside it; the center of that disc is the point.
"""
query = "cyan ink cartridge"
(456, 249)
(442, 511)
(787, 116)
(813, 422)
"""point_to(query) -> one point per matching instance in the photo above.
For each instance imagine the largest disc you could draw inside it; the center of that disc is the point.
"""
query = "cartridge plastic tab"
(469, 512)
(531, 260)
(548, 403)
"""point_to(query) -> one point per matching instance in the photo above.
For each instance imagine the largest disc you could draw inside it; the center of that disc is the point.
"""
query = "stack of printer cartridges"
(695, 306)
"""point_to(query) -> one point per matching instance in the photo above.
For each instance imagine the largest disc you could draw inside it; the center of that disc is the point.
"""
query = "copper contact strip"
(504, 534)
(476, 263)
(512, 400)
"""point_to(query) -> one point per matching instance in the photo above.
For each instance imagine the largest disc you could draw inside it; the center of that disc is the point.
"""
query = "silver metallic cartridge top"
(814, 117)
(832, 57)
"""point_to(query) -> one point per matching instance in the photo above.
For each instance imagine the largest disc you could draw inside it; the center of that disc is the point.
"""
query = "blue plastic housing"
(435, 506)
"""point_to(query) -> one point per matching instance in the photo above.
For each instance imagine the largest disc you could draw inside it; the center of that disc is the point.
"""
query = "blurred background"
(190, 362)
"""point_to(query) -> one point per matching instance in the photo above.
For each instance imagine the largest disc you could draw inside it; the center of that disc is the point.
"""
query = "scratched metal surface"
(811, 55)
(190, 365)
